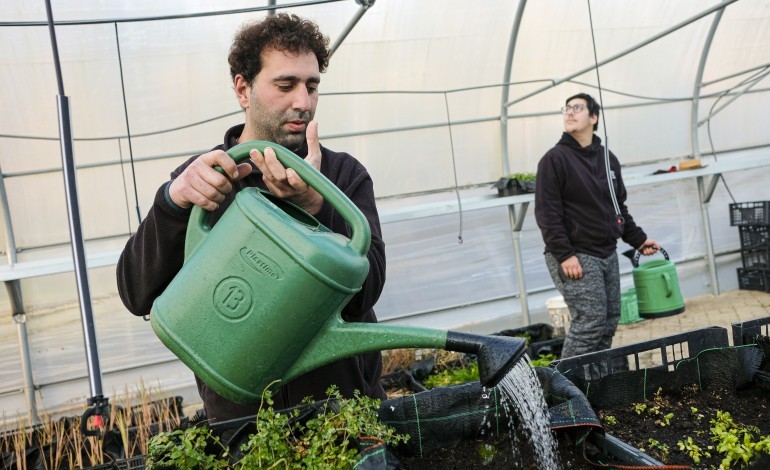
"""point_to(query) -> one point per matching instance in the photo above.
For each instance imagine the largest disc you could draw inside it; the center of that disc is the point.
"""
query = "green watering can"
(657, 287)
(259, 296)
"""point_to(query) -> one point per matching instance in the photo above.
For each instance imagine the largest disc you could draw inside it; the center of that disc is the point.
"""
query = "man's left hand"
(285, 182)
(649, 247)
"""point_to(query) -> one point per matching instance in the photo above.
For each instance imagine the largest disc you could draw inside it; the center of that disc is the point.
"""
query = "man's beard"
(268, 125)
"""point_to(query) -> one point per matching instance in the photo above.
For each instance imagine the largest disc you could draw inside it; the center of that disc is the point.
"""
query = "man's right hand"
(200, 184)
(571, 268)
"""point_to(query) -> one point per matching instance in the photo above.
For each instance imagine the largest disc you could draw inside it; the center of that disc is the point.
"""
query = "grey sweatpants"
(593, 301)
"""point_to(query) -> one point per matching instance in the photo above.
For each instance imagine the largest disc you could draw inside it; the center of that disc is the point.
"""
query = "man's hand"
(200, 184)
(649, 247)
(285, 182)
(571, 267)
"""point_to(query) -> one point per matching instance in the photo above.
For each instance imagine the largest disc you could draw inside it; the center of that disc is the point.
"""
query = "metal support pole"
(10, 241)
(20, 318)
(78, 250)
(704, 211)
(97, 401)
(654, 38)
(516, 234)
(364, 5)
(702, 196)
(506, 86)
(515, 227)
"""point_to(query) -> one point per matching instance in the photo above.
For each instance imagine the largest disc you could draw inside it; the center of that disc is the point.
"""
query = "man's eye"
(285, 87)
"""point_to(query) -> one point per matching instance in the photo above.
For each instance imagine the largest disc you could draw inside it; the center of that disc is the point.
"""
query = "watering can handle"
(669, 286)
(638, 254)
(359, 226)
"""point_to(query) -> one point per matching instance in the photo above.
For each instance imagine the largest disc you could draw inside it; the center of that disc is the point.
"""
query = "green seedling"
(665, 420)
(692, 449)
(659, 448)
(446, 377)
(639, 408)
(544, 360)
(611, 420)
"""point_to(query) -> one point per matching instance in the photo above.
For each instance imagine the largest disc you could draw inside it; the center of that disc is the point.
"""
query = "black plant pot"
(513, 187)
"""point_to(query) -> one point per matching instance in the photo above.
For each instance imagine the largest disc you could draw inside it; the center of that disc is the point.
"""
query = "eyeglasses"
(575, 108)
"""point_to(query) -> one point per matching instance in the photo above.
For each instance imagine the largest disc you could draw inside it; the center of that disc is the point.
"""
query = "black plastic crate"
(754, 237)
(754, 279)
(746, 332)
(756, 259)
(660, 354)
(133, 463)
(750, 213)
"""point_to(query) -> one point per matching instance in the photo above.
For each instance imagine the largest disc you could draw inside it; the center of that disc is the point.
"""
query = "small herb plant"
(611, 420)
(659, 448)
(544, 360)
(689, 447)
(326, 441)
(522, 176)
(189, 448)
(446, 377)
(736, 443)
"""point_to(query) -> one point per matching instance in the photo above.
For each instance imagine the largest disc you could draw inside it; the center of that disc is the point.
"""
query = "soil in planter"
(493, 453)
(689, 416)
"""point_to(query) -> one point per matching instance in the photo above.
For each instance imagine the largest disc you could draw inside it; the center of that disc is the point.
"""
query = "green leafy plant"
(487, 452)
(189, 448)
(693, 450)
(659, 448)
(446, 377)
(639, 408)
(528, 176)
(326, 441)
(611, 420)
(544, 360)
(665, 420)
(736, 443)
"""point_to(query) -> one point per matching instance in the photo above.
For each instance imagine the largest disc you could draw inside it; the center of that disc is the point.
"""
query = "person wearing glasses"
(580, 209)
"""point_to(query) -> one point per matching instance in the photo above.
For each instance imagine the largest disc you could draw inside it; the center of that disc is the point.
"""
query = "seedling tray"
(754, 279)
(750, 213)
(659, 354)
(747, 332)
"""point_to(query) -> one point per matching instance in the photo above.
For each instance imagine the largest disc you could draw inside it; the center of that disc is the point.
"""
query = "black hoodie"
(573, 206)
(155, 253)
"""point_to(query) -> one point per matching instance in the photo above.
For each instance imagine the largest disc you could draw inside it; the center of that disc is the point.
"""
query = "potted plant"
(515, 183)
(336, 433)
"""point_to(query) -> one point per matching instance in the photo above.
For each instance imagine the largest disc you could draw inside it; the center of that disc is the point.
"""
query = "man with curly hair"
(276, 67)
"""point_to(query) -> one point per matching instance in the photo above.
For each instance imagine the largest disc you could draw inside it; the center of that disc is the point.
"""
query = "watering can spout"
(496, 354)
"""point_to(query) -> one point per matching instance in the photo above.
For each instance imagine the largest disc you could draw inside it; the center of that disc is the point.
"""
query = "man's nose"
(302, 101)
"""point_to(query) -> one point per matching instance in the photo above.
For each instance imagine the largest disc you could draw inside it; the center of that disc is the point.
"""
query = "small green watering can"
(259, 296)
(657, 287)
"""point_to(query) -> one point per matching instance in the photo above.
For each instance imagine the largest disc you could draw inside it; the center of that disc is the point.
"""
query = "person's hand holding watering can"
(649, 247)
(201, 185)
(286, 183)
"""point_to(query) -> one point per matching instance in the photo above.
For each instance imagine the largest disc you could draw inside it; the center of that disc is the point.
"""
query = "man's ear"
(242, 91)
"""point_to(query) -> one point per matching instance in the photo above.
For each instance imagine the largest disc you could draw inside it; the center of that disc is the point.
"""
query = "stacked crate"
(753, 221)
